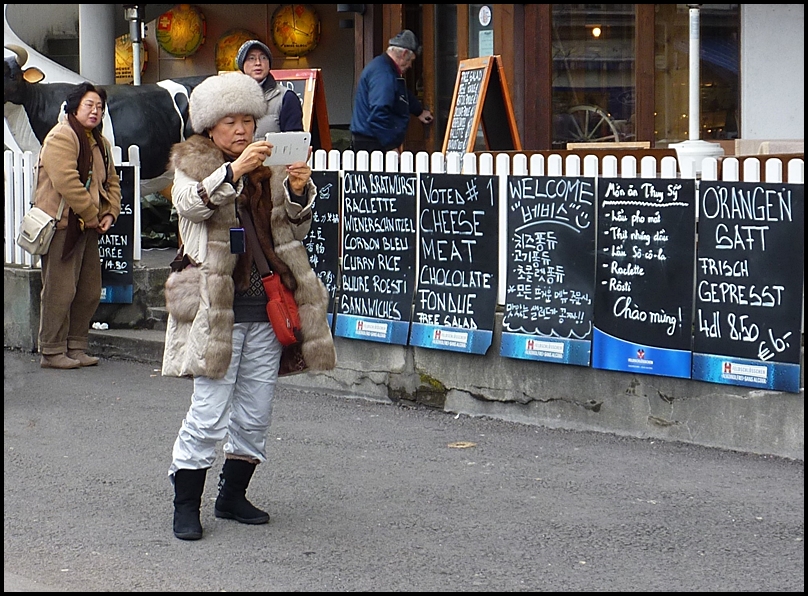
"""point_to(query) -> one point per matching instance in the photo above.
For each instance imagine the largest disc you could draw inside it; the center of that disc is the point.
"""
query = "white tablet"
(288, 147)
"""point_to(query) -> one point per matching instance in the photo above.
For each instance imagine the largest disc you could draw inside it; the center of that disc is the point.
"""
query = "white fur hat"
(221, 95)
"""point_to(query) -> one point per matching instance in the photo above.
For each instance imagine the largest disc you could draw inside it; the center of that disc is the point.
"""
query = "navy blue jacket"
(291, 116)
(383, 104)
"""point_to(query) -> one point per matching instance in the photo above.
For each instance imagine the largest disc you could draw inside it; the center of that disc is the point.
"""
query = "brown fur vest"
(264, 195)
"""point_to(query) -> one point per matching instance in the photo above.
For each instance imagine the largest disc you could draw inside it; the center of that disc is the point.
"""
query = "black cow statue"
(152, 116)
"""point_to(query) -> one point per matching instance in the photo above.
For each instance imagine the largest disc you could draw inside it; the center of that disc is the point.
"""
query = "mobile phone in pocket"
(238, 241)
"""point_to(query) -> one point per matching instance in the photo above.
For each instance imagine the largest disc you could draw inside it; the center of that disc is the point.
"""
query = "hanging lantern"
(227, 48)
(181, 30)
(124, 58)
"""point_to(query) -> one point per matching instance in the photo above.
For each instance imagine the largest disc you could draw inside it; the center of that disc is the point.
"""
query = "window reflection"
(593, 73)
(446, 63)
(719, 26)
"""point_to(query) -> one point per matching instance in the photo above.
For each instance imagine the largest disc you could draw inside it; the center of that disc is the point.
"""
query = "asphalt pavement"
(371, 496)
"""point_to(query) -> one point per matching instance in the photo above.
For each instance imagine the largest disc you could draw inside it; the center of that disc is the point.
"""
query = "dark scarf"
(85, 161)
(256, 198)
(84, 166)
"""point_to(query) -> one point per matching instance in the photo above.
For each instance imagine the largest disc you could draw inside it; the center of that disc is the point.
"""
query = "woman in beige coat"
(218, 331)
(75, 165)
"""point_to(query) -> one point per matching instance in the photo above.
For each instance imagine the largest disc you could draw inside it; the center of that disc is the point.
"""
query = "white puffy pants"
(238, 406)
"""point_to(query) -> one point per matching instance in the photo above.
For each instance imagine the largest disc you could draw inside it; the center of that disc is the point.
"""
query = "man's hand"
(426, 117)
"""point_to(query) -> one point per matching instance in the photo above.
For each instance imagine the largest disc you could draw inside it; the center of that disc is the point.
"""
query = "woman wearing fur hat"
(218, 331)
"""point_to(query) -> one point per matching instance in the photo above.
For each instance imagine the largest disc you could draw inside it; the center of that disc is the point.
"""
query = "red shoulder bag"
(281, 305)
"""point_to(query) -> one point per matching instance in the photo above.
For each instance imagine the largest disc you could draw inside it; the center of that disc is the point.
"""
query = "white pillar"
(695, 83)
(134, 35)
(97, 43)
(691, 153)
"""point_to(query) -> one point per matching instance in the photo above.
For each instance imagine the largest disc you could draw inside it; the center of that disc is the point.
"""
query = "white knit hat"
(221, 95)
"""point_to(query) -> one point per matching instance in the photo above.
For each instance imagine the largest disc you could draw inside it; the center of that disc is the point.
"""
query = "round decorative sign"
(485, 15)
(295, 29)
(124, 58)
(227, 48)
(181, 30)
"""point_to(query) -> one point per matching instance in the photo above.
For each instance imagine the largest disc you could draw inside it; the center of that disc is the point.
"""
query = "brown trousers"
(71, 292)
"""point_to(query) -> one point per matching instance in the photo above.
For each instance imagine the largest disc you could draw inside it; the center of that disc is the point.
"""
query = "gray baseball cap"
(406, 39)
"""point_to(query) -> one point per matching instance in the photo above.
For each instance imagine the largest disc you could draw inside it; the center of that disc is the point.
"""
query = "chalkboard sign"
(550, 290)
(481, 96)
(646, 243)
(464, 117)
(116, 246)
(750, 267)
(456, 295)
(323, 241)
(308, 84)
(378, 256)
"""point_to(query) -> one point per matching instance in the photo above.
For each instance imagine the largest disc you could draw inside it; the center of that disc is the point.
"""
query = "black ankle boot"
(232, 502)
(188, 487)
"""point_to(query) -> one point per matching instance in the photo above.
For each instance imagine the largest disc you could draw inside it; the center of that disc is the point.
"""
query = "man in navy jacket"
(383, 104)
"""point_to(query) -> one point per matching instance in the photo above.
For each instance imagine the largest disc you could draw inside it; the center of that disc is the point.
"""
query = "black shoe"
(232, 501)
(188, 488)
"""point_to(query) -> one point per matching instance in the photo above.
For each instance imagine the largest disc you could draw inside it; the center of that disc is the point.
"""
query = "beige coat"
(58, 169)
(200, 323)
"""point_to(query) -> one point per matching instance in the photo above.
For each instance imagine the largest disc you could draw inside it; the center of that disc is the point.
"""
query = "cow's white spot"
(174, 89)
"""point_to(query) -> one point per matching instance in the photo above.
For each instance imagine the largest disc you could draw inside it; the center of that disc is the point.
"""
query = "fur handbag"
(37, 229)
(182, 289)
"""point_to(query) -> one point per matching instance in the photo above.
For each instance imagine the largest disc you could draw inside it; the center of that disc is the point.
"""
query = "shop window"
(719, 48)
(481, 30)
(593, 73)
(446, 61)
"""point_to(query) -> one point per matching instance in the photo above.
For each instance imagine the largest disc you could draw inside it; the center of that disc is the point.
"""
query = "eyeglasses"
(90, 106)
(256, 58)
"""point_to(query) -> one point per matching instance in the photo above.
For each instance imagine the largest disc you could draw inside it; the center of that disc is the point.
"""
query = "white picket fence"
(19, 168)
(18, 179)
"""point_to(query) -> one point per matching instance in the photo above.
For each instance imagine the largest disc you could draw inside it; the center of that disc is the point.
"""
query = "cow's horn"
(21, 52)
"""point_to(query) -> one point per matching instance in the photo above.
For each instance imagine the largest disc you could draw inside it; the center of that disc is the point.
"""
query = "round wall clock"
(295, 29)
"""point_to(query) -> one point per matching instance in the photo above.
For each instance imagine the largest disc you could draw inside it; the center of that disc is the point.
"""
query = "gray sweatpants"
(238, 406)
